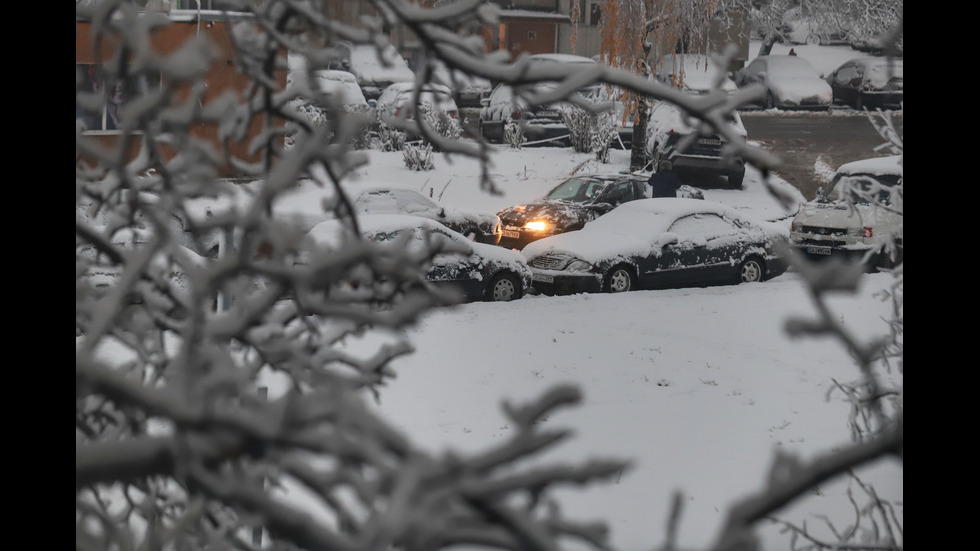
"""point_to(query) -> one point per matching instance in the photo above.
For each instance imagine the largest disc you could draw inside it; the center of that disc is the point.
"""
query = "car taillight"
(867, 232)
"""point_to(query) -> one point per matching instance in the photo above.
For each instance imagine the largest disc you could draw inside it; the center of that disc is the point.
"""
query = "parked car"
(479, 271)
(396, 100)
(569, 206)
(468, 90)
(373, 75)
(543, 122)
(695, 74)
(790, 81)
(671, 137)
(484, 228)
(869, 83)
(858, 215)
(658, 243)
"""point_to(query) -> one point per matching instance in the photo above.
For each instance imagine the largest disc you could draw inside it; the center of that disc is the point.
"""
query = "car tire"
(503, 287)
(770, 101)
(751, 270)
(735, 179)
(813, 40)
(619, 280)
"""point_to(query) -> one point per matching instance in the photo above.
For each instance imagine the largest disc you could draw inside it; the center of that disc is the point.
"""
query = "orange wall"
(223, 75)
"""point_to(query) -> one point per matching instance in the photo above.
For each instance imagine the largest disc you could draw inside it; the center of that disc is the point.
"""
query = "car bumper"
(517, 239)
(882, 100)
(707, 165)
(550, 282)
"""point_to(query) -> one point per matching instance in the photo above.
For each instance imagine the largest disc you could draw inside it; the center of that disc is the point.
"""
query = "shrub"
(418, 157)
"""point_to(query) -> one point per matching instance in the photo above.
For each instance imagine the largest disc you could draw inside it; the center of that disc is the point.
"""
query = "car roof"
(890, 165)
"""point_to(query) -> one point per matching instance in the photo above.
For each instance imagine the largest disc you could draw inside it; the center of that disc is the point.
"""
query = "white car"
(790, 81)
(695, 74)
(858, 215)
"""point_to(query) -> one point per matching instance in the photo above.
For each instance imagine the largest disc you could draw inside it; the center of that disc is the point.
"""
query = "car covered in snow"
(384, 199)
(790, 82)
(857, 216)
(695, 74)
(397, 100)
(507, 105)
(658, 243)
(674, 137)
(479, 272)
(375, 69)
(869, 83)
(569, 206)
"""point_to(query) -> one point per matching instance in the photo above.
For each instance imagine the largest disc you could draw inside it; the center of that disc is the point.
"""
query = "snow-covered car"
(374, 69)
(477, 270)
(658, 243)
(869, 83)
(672, 136)
(468, 90)
(379, 199)
(790, 81)
(396, 99)
(858, 215)
(569, 206)
(506, 105)
(695, 74)
(340, 86)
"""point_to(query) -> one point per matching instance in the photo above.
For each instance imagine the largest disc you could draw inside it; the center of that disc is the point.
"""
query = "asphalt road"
(798, 140)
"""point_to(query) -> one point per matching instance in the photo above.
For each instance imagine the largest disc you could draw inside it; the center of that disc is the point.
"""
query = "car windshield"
(860, 189)
(577, 190)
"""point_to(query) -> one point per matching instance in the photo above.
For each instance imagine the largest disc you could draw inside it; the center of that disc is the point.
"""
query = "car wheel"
(503, 287)
(751, 271)
(619, 280)
(813, 40)
(770, 101)
(735, 179)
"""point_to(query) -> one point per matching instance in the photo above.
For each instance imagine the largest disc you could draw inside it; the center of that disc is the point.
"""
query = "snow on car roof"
(891, 164)
(666, 117)
(366, 65)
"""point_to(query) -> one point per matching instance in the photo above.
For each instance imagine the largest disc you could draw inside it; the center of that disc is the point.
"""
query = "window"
(93, 84)
(702, 226)
(594, 14)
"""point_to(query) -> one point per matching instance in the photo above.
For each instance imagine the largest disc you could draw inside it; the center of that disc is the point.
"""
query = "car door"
(846, 83)
(706, 248)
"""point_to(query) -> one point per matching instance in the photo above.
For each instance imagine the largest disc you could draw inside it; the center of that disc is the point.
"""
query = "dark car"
(568, 207)
(671, 137)
(869, 82)
(479, 271)
(481, 227)
(658, 243)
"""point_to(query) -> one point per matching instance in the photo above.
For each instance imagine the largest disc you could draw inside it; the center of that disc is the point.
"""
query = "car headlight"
(538, 225)
(797, 226)
(577, 265)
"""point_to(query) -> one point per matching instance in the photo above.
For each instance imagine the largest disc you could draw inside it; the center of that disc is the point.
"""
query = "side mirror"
(484, 102)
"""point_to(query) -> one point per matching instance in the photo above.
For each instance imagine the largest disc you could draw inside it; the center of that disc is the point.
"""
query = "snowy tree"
(191, 295)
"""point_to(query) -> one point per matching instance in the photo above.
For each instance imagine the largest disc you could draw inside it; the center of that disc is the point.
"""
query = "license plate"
(709, 141)
(818, 250)
(544, 278)
(514, 234)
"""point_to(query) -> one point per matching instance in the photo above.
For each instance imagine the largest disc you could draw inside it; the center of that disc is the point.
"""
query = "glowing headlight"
(537, 225)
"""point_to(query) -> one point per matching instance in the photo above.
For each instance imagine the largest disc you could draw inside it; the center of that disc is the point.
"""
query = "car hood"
(561, 214)
(839, 214)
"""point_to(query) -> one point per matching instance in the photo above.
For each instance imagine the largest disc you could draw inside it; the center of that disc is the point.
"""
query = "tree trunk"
(768, 42)
(638, 147)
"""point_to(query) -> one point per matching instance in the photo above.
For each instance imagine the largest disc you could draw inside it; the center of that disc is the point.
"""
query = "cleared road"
(835, 137)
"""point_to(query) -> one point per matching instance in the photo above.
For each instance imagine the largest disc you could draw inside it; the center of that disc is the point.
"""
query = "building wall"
(222, 76)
